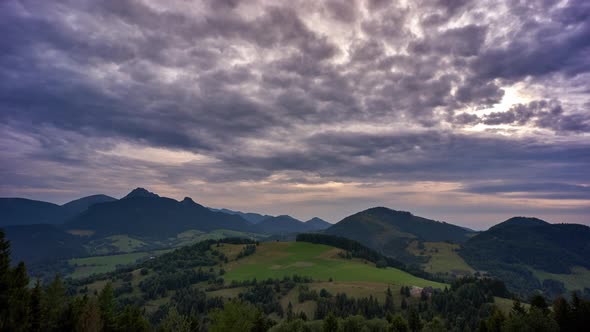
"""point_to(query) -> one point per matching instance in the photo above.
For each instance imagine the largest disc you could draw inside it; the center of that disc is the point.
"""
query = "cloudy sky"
(463, 111)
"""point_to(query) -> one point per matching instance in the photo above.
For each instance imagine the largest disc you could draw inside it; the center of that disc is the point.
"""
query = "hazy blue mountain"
(252, 217)
(21, 211)
(143, 213)
(316, 223)
(285, 224)
(82, 204)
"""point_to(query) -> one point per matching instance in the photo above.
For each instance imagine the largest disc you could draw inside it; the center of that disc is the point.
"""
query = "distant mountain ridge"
(22, 211)
(285, 224)
(515, 248)
(143, 213)
(530, 241)
(390, 231)
(249, 216)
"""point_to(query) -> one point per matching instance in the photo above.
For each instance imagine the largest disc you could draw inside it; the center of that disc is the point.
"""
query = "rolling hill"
(21, 211)
(520, 248)
(391, 231)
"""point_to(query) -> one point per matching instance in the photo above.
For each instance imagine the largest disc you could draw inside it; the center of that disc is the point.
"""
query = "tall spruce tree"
(36, 307)
(4, 281)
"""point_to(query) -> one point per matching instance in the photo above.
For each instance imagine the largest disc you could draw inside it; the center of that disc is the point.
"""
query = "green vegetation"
(88, 266)
(530, 254)
(321, 262)
(389, 231)
(577, 279)
(442, 258)
(193, 236)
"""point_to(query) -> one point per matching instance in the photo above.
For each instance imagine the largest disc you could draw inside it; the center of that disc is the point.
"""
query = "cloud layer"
(302, 106)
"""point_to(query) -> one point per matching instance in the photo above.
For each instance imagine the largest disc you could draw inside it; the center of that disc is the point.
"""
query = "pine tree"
(4, 281)
(290, 311)
(19, 299)
(54, 304)
(388, 307)
(414, 320)
(399, 324)
(36, 309)
(174, 322)
(90, 320)
(561, 313)
(404, 304)
(106, 304)
(517, 308)
(330, 323)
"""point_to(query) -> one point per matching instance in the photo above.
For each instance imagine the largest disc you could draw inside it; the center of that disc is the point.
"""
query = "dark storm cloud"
(298, 90)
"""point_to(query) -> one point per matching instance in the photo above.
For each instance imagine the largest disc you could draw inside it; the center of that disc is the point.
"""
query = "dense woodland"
(467, 305)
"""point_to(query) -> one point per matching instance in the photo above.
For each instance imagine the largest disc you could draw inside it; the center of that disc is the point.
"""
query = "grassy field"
(577, 280)
(278, 259)
(442, 258)
(88, 266)
(194, 236)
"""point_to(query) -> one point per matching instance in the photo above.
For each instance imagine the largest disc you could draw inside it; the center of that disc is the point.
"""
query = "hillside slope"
(22, 211)
(514, 249)
(391, 231)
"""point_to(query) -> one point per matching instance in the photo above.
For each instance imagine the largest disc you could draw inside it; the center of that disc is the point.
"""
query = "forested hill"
(529, 241)
(390, 231)
(514, 249)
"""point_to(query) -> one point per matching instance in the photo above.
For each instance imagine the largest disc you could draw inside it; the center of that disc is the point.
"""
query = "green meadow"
(88, 266)
(321, 262)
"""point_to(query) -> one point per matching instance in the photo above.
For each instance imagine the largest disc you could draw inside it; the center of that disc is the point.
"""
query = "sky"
(464, 111)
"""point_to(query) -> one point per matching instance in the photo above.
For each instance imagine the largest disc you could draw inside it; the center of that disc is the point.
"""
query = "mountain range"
(528, 253)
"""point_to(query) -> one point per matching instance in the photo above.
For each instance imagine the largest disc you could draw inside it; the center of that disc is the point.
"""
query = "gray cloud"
(289, 91)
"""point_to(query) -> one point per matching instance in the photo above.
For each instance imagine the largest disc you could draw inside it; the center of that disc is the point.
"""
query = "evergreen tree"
(496, 321)
(90, 319)
(36, 308)
(107, 306)
(538, 301)
(19, 299)
(414, 320)
(561, 313)
(131, 320)
(404, 304)
(399, 324)
(235, 316)
(54, 305)
(435, 325)
(517, 308)
(388, 307)
(174, 322)
(290, 311)
(330, 323)
(4, 281)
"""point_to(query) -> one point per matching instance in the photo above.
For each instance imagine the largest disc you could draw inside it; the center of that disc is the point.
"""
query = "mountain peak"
(522, 221)
(140, 192)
